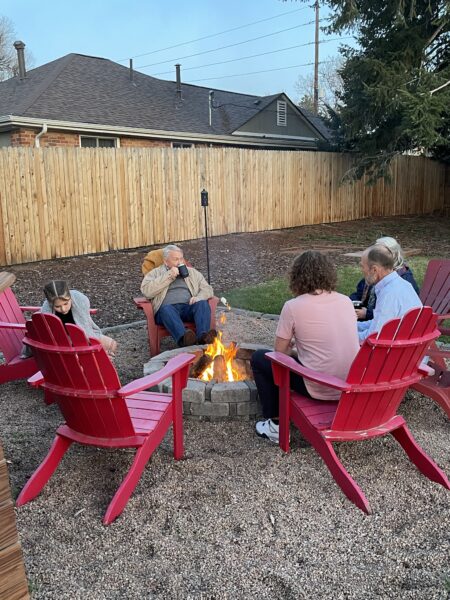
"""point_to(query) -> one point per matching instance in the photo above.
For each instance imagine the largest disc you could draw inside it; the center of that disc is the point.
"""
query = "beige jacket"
(155, 284)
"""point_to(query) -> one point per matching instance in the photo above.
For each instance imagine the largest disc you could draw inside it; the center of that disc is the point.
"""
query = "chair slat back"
(10, 339)
(384, 368)
(80, 377)
(435, 291)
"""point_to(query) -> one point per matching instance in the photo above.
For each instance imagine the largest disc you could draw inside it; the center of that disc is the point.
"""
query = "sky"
(154, 34)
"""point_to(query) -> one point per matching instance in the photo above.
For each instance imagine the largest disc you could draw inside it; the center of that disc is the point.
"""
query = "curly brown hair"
(312, 271)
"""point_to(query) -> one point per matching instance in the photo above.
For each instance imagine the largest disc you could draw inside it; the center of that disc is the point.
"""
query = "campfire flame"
(229, 371)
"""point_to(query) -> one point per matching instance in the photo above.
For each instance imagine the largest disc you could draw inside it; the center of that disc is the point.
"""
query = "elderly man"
(179, 293)
(395, 296)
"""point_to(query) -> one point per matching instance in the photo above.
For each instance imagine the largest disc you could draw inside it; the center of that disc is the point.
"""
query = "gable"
(266, 122)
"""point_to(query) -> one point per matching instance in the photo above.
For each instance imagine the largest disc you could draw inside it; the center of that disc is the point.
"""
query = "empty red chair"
(435, 292)
(80, 378)
(12, 331)
(382, 371)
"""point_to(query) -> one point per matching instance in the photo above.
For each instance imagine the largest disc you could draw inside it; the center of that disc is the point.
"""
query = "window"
(181, 145)
(281, 113)
(87, 141)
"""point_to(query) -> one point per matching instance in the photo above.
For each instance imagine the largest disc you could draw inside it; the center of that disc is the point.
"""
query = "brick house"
(85, 101)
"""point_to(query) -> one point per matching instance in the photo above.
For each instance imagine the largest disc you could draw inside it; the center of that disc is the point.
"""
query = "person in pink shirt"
(322, 324)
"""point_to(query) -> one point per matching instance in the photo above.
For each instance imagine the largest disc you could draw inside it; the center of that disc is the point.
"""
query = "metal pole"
(316, 61)
(204, 197)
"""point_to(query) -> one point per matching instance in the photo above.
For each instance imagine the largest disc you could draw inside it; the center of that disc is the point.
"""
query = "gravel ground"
(237, 518)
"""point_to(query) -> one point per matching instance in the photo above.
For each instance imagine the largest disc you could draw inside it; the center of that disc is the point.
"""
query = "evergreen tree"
(396, 82)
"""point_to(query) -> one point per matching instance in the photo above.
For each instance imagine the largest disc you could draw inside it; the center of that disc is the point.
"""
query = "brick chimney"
(20, 47)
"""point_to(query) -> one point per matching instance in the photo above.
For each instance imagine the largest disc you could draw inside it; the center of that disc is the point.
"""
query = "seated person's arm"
(156, 281)
(363, 330)
(284, 346)
(204, 290)
(361, 313)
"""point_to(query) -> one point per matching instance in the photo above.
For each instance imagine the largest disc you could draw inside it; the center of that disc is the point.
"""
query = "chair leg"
(130, 481)
(45, 470)
(178, 443)
(417, 456)
(154, 342)
(340, 475)
(179, 382)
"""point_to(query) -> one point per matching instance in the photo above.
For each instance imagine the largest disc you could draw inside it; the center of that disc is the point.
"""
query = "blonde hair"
(56, 289)
(395, 248)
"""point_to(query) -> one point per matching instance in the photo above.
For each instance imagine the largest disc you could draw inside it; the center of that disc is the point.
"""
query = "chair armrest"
(139, 385)
(32, 309)
(213, 302)
(36, 380)
(444, 329)
(443, 317)
(140, 301)
(6, 325)
(289, 363)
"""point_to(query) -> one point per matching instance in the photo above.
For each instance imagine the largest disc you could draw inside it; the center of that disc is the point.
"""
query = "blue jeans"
(173, 315)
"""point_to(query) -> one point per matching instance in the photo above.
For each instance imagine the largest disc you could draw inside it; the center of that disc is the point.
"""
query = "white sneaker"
(269, 430)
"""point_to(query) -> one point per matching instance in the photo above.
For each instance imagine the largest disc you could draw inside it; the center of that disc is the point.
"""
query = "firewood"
(200, 365)
(220, 369)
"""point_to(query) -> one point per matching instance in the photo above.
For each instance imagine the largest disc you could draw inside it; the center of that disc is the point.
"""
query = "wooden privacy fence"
(57, 202)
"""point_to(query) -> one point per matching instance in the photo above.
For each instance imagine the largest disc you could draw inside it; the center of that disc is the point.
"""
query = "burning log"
(200, 365)
(220, 368)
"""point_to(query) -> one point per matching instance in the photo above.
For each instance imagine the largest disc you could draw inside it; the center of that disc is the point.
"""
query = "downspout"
(39, 135)
(210, 106)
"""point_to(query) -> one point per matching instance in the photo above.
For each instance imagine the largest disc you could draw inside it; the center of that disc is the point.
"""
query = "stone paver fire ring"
(210, 399)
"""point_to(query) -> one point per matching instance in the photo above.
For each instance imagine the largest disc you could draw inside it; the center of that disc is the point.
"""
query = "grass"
(269, 297)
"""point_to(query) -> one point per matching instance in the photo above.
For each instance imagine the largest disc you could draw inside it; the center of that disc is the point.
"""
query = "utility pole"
(316, 61)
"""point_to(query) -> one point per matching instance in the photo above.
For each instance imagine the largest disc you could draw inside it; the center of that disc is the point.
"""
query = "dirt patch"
(111, 280)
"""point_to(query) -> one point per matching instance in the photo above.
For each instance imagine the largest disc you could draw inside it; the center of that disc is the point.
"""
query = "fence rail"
(57, 202)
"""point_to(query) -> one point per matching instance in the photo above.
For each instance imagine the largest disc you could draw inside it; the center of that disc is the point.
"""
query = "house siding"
(265, 122)
(5, 139)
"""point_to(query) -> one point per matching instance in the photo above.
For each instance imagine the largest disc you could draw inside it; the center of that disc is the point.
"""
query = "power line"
(228, 46)
(224, 62)
(256, 72)
(215, 34)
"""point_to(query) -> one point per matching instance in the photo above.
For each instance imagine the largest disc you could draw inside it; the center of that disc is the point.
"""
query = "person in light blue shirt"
(395, 296)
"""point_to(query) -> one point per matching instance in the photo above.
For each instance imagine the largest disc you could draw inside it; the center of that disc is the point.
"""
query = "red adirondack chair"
(157, 332)
(382, 371)
(435, 292)
(80, 377)
(12, 331)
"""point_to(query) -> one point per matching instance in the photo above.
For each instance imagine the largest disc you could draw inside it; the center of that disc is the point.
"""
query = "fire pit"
(216, 398)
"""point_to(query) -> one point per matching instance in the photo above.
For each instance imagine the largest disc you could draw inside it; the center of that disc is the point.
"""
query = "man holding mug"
(179, 293)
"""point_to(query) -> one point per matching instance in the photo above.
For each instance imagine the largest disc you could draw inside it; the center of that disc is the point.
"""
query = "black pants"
(267, 390)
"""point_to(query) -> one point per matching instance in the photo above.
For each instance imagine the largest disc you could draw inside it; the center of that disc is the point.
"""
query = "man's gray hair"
(380, 255)
(171, 248)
